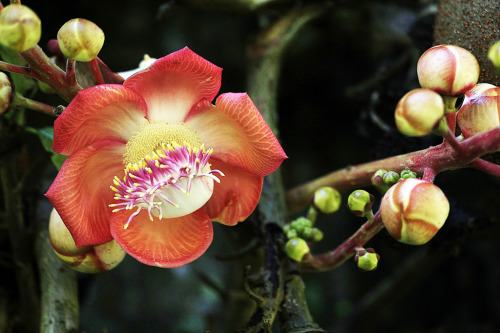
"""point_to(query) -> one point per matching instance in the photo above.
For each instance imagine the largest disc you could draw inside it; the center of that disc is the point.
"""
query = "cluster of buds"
(303, 228)
(382, 180)
(366, 259)
(300, 233)
(20, 27)
(480, 110)
(85, 259)
(444, 72)
(414, 210)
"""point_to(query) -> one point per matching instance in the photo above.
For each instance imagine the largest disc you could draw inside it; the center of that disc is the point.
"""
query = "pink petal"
(174, 83)
(103, 112)
(239, 135)
(81, 194)
(165, 243)
(235, 197)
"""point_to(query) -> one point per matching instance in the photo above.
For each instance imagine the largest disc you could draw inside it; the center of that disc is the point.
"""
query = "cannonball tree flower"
(152, 162)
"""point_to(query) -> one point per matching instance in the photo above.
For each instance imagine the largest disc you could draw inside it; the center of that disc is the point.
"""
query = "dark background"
(340, 82)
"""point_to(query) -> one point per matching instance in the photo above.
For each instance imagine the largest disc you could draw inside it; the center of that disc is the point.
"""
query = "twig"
(332, 259)
(440, 158)
(19, 101)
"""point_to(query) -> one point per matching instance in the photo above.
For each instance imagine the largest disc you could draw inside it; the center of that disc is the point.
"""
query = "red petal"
(81, 194)
(98, 113)
(174, 83)
(237, 195)
(165, 243)
(239, 135)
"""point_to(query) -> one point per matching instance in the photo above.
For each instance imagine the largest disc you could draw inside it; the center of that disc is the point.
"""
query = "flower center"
(152, 135)
(162, 176)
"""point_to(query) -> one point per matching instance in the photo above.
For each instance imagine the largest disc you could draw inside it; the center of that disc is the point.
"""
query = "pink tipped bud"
(419, 112)
(85, 259)
(480, 110)
(448, 70)
(414, 210)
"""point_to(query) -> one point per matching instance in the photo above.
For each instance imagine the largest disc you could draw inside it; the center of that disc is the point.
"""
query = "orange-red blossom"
(153, 162)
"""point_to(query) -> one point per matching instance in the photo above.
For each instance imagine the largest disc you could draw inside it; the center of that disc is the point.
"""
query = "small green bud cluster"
(303, 228)
(366, 259)
(382, 180)
(407, 173)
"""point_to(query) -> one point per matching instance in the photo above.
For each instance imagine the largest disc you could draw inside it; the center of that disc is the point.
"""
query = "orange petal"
(239, 135)
(237, 195)
(81, 194)
(165, 243)
(174, 83)
(98, 113)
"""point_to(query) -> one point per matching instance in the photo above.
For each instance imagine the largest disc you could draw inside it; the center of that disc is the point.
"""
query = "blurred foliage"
(340, 83)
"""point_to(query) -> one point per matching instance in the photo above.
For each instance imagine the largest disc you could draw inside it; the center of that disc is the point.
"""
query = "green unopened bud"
(5, 92)
(407, 173)
(327, 200)
(296, 248)
(366, 260)
(494, 55)
(20, 27)
(448, 70)
(80, 39)
(382, 180)
(85, 259)
(300, 224)
(414, 210)
(360, 203)
(419, 112)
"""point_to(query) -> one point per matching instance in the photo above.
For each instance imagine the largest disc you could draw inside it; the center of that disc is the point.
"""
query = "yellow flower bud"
(448, 70)
(327, 200)
(360, 202)
(494, 54)
(5, 91)
(80, 39)
(86, 259)
(296, 248)
(414, 210)
(419, 112)
(480, 110)
(20, 27)
(367, 261)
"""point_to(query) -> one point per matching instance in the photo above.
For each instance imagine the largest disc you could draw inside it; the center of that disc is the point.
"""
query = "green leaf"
(46, 136)
(21, 82)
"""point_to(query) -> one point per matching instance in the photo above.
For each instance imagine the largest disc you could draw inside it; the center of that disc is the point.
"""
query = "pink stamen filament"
(143, 181)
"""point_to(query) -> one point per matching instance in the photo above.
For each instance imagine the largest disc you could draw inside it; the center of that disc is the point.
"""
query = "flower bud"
(20, 27)
(414, 210)
(494, 54)
(448, 70)
(419, 112)
(407, 173)
(367, 260)
(327, 200)
(5, 91)
(296, 248)
(360, 202)
(80, 39)
(480, 110)
(382, 180)
(86, 259)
